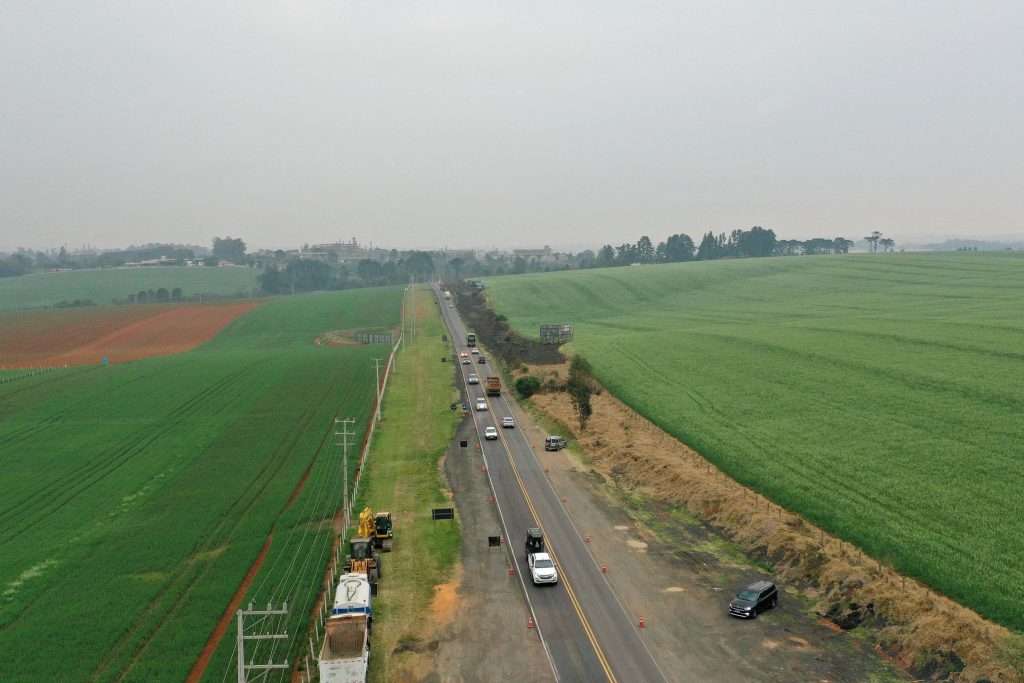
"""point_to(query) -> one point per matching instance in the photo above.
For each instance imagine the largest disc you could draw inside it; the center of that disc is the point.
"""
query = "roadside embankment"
(925, 633)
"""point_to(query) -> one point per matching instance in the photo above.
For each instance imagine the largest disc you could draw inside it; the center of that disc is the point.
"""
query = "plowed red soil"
(86, 336)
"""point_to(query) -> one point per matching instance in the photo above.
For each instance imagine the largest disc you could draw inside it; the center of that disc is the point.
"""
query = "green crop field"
(134, 498)
(880, 395)
(102, 286)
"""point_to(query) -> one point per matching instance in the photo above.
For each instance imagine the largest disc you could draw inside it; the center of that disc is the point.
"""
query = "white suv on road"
(473, 379)
(542, 568)
(490, 433)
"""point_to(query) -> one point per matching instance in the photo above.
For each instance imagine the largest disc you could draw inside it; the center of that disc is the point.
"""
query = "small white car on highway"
(508, 422)
(473, 379)
(481, 404)
(491, 434)
(542, 569)
(475, 351)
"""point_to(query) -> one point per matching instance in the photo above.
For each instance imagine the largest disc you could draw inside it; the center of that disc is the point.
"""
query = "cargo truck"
(493, 386)
(346, 649)
(470, 339)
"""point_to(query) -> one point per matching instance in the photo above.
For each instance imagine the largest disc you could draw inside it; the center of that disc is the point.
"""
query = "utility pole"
(244, 668)
(344, 434)
(376, 365)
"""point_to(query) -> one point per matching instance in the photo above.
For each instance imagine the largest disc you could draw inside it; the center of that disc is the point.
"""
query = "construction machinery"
(362, 558)
(377, 527)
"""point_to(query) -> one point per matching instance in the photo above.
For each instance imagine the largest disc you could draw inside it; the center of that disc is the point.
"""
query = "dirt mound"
(57, 339)
(931, 635)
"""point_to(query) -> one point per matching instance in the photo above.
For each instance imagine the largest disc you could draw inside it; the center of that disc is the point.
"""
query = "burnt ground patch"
(493, 330)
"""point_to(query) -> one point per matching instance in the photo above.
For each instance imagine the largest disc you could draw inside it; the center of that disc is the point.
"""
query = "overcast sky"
(506, 123)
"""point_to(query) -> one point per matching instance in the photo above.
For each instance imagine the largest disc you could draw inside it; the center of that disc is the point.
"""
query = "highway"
(586, 630)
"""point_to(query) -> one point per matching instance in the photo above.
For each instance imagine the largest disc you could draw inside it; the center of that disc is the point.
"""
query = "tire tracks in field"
(148, 630)
(77, 482)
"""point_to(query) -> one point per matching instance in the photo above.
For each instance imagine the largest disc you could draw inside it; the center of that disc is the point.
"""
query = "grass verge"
(404, 477)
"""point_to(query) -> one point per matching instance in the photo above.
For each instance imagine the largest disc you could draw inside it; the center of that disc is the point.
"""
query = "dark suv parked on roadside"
(754, 599)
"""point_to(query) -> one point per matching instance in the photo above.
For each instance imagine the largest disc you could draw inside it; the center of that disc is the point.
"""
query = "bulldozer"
(376, 527)
(363, 559)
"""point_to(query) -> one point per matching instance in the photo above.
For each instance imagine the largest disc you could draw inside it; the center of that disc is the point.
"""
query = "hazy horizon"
(467, 125)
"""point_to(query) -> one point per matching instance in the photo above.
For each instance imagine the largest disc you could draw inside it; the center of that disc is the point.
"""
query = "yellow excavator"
(377, 527)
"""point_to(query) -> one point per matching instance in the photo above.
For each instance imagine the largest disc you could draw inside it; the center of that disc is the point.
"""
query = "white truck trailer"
(346, 650)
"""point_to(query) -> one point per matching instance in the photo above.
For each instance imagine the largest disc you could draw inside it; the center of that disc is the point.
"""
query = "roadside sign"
(442, 513)
(494, 541)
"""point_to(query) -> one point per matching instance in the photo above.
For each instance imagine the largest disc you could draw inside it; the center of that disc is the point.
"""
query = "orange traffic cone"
(586, 538)
(529, 623)
(511, 570)
(490, 499)
(483, 468)
(642, 622)
(604, 568)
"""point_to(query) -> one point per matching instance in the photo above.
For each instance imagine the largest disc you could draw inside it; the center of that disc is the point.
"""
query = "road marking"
(565, 581)
(501, 517)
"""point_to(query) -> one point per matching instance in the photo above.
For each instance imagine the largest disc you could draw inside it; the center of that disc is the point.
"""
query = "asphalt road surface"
(582, 623)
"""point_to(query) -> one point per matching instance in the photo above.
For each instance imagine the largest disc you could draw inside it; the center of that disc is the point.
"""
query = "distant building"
(350, 252)
(544, 255)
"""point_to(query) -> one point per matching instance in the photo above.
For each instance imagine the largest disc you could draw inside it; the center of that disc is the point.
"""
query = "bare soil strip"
(122, 338)
(229, 613)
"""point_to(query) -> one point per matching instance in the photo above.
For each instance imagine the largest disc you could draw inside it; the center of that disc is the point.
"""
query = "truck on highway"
(447, 294)
(493, 385)
(470, 339)
(346, 649)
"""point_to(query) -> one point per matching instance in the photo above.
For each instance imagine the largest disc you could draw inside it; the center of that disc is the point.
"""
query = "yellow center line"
(568, 587)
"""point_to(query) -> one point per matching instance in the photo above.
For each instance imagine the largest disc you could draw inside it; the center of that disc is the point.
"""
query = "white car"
(475, 351)
(491, 434)
(465, 361)
(481, 404)
(508, 422)
(474, 379)
(542, 569)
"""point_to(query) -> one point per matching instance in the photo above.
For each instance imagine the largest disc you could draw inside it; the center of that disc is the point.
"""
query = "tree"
(369, 271)
(645, 250)
(308, 276)
(842, 245)
(420, 264)
(873, 239)
(888, 244)
(177, 294)
(142, 297)
(625, 254)
(679, 248)
(580, 388)
(456, 265)
(527, 386)
(606, 256)
(272, 280)
(228, 249)
(709, 247)
(756, 242)
(162, 295)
